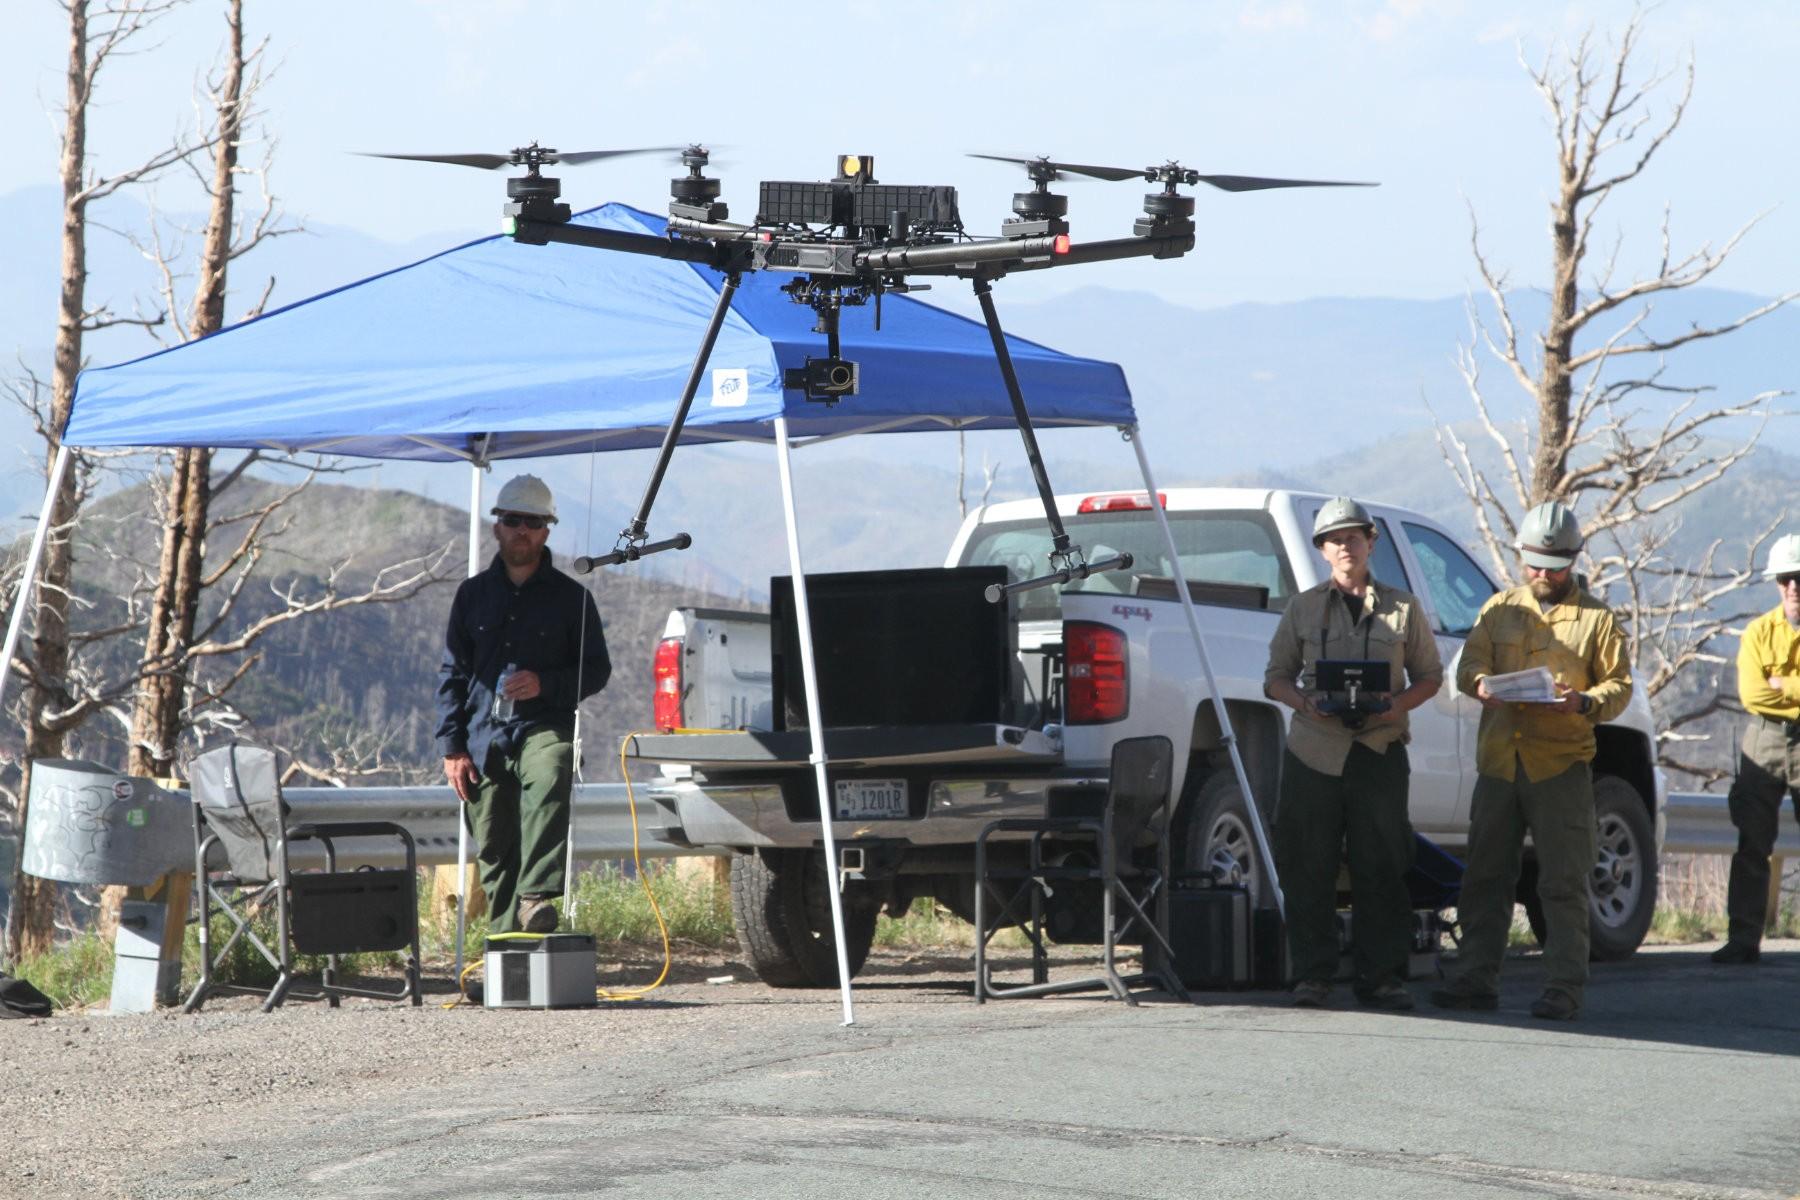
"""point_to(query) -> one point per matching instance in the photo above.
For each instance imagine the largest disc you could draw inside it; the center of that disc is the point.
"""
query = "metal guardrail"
(601, 824)
(1697, 823)
(1700, 823)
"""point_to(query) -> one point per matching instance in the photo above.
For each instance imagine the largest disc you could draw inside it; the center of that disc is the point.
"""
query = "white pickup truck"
(1106, 658)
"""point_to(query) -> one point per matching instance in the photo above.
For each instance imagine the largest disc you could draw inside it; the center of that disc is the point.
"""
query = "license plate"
(871, 799)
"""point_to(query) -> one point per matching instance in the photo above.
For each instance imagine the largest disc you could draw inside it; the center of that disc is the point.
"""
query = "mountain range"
(1336, 394)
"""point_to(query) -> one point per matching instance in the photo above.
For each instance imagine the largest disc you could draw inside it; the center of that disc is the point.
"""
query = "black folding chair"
(238, 810)
(1121, 852)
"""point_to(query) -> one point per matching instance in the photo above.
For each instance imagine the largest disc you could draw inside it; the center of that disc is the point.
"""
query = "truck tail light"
(1096, 675)
(1121, 502)
(667, 670)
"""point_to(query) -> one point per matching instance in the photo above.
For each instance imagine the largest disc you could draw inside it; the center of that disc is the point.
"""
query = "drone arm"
(1166, 246)
(537, 233)
(946, 258)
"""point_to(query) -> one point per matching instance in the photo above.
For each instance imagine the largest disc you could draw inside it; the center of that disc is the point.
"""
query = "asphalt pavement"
(1680, 1080)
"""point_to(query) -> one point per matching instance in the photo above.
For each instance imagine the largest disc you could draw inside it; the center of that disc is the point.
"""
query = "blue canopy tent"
(495, 350)
(562, 349)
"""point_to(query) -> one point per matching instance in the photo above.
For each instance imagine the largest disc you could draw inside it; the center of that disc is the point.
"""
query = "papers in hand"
(1534, 686)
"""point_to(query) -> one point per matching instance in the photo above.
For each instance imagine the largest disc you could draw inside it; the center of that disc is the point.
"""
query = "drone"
(848, 241)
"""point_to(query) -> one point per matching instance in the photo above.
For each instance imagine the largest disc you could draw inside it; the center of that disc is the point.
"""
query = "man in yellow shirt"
(1769, 685)
(1534, 766)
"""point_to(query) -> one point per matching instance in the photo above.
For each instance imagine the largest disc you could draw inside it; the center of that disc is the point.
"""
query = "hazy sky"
(1426, 96)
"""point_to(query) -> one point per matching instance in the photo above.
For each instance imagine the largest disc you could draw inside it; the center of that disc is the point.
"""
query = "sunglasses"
(1786, 581)
(514, 520)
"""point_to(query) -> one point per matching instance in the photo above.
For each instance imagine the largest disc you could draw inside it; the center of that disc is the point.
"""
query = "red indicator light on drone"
(1121, 502)
(1060, 245)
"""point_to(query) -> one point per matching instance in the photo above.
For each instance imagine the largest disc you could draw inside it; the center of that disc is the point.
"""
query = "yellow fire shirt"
(1770, 646)
(1579, 641)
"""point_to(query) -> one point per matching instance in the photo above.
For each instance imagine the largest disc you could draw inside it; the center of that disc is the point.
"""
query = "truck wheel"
(781, 909)
(1219, 837)
(1622, 888)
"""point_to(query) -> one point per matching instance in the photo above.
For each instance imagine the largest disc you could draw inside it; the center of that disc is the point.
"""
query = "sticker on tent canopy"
(731, 387)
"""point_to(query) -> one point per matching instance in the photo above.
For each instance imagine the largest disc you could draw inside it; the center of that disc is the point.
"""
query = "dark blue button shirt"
(538, 625)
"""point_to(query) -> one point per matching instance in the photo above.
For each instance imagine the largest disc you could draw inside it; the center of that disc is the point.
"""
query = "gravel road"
(1681, 1080)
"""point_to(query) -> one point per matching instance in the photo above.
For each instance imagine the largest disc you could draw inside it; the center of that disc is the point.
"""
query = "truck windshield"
(1216, 547)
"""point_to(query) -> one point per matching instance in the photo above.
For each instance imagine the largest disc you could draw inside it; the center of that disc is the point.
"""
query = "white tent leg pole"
(810, 675)
(569, 847)
(28, 580)
(1212, 684)
(462, 820)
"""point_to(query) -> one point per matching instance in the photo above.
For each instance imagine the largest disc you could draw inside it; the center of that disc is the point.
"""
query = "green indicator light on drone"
(509, 226)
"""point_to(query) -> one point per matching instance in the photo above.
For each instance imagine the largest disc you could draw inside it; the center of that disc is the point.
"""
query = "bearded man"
(524, 646)
(1534, 764)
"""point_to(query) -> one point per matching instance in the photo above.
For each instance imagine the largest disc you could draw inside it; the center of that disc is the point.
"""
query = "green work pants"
(1768, 767)
(1358, 817)
(520, 821)
(1559, 813)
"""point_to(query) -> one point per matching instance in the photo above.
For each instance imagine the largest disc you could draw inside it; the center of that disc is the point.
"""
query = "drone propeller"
(1043, 170)
(532, 157)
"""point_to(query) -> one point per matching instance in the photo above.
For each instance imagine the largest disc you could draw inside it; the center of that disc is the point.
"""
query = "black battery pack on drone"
(1355, 688)
(539, 970)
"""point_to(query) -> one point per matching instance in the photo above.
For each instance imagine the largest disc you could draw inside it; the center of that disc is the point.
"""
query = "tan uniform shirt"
(1770, 646)
(1580, 642)
(1316, 625)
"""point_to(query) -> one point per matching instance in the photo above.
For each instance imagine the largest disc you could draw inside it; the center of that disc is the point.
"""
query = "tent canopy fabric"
(565, 349)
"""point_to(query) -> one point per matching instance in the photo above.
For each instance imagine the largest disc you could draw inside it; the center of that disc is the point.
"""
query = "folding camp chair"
(1118, 857)
(238, 809)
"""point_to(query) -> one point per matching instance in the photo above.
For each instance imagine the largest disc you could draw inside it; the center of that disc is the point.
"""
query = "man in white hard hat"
(524, 647)
(1344, 777)
(1534, 766)
(1769, 764)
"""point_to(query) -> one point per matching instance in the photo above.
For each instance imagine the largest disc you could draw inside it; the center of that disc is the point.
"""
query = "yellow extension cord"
(643, 881)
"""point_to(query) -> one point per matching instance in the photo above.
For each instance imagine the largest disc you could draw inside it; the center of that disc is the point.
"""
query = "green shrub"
(928, 924)
(75, 974)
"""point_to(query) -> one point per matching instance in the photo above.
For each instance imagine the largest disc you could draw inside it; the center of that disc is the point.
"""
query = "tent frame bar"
(27, 581)
(809, 673)
(1259, 834)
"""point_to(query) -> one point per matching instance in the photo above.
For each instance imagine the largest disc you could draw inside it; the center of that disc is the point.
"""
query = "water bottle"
(503, 704)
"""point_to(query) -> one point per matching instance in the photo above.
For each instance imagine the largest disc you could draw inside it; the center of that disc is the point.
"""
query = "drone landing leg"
(630, 545)
(1066, 561)
(1060, 536)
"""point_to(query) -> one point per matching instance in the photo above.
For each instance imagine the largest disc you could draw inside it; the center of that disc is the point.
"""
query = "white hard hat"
(526, 494)
(1340, 512)
(1549, 537)
(1784, 556)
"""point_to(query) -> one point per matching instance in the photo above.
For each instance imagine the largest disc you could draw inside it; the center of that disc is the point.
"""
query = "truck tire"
(781, 908)
(1218, 837)
(1622, 888)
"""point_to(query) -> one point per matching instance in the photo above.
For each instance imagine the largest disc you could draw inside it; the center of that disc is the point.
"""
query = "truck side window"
(1457, 586)
(1224, 546)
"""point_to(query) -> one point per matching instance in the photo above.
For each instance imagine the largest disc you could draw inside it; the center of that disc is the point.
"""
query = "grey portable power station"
(539, 970)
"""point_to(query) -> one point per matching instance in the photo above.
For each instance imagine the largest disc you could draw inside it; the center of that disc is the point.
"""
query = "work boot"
(537, 914)
(1556, 1005)
(1391, 996)
(1461, 994)
(1311, 993)
(1737, 954)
